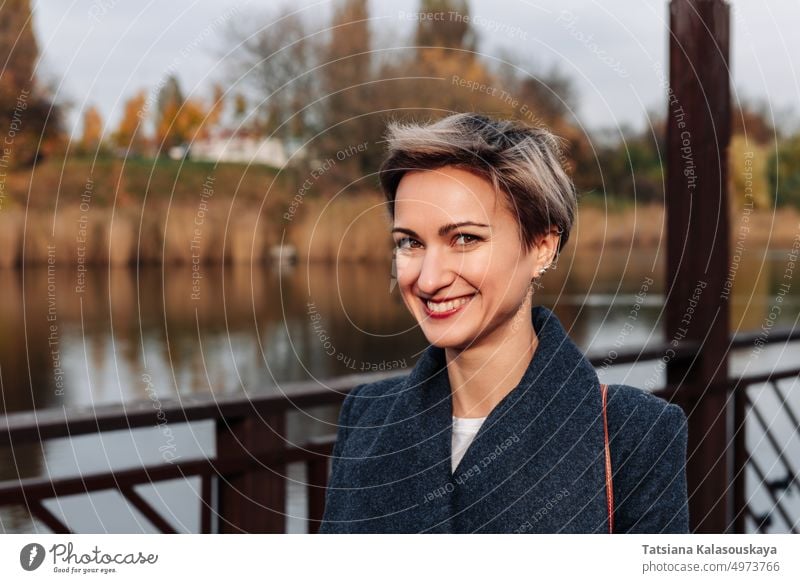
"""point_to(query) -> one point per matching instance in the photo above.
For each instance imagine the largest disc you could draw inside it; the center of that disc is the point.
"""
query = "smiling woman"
(502, 411)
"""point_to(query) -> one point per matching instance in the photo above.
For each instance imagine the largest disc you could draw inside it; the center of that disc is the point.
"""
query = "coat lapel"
(537, 464)
(403, 466)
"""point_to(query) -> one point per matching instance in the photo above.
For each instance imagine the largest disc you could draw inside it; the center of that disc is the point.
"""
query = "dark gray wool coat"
(537, 464)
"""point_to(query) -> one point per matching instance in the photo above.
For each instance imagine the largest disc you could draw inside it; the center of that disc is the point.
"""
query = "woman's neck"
(483, 374)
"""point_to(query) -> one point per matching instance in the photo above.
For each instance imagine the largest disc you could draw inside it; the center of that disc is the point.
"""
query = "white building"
(239, 147)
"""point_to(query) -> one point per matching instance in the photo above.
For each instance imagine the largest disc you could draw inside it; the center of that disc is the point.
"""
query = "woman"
(500, 425)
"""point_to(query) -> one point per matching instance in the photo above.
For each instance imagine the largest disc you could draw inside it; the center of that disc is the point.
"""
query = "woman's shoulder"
(372, 399)
(648, 451)
(636, 416)
(640, 406)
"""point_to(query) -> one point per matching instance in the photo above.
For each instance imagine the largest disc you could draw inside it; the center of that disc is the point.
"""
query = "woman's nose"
(435, 271)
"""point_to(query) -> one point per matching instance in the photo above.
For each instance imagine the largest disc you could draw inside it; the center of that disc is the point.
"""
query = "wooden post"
(698, 133)
(251, 500)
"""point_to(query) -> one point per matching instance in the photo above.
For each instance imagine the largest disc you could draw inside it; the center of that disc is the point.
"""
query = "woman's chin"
(447, 340)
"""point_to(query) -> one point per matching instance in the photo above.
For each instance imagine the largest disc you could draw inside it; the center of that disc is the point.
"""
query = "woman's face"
(461, 266)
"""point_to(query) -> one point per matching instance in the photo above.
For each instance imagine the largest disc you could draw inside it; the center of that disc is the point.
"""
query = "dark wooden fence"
(778, 427)
(243, 486)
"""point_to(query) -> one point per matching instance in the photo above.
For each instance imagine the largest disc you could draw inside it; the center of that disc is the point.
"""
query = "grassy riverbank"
(166, 211)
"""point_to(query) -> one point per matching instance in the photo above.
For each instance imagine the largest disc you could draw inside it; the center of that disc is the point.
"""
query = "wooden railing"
(248, 470)
(244, 489)
(750, 417)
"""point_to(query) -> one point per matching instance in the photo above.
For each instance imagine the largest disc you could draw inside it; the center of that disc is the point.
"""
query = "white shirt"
(464, 431)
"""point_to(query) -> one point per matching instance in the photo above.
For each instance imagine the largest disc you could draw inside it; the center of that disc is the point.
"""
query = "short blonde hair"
(521, 161)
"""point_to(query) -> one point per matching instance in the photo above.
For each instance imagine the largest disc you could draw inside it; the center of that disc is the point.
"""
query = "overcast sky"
(102, 51)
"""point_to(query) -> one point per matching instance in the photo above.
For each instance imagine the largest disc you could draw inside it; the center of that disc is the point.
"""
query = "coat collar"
(550, 424)
(558, 368)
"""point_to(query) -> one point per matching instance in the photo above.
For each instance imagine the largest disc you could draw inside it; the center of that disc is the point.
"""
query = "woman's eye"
(406, 243)
(466, 239)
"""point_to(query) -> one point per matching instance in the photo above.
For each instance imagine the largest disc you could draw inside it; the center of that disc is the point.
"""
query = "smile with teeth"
(448, 306)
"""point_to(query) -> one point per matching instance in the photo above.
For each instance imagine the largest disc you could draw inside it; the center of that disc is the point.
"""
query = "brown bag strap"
(609, 484)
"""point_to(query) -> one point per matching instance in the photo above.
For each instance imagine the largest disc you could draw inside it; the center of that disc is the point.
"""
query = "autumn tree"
(349, 103)
(348, 59)
(452, 31)
(215, 109)
(24, 103)
(130, 136)
(92, 135)
(274, 56)
(748, 177)
(337, 85)
(182, 120)
(420, 83)
(783, 173)
(169, 103)
(442, 74)
(240, 106)
(752, 175)
(18, 48)
(753, 121)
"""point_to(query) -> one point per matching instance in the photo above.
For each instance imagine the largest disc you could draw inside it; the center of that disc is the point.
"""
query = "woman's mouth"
(446, 308)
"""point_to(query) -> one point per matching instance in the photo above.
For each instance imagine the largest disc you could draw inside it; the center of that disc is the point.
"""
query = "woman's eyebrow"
(444, 229)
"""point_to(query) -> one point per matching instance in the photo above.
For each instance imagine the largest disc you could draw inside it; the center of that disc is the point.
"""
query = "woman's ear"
(546, 250)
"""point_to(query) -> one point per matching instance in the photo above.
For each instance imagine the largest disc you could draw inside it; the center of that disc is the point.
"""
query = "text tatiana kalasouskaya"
(709, 550)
